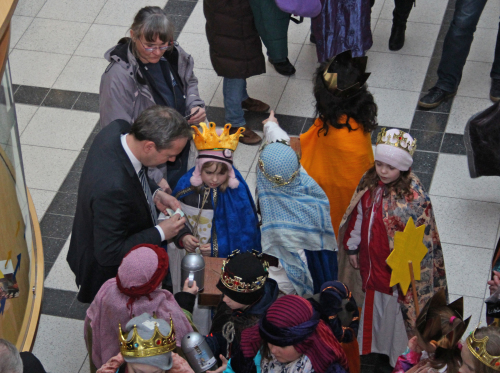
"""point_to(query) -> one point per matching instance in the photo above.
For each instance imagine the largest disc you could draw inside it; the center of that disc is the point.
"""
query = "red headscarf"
(292, 318)
(140, 289)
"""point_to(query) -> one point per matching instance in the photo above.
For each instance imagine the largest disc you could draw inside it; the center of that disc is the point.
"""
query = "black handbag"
(482, 142)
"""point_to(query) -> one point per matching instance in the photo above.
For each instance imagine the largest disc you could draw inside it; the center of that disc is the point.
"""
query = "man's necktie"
(147, 192)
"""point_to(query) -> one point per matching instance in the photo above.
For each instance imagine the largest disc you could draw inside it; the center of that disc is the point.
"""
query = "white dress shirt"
(137, 167)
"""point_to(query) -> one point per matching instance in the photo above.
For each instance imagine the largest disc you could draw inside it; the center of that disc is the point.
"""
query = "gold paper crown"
(209, 140)
(478, 349)
(235, 283)
(331, 79)
(398, 140)
(158, 344)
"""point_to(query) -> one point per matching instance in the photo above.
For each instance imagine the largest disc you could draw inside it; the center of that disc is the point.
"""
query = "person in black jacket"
(116, 211)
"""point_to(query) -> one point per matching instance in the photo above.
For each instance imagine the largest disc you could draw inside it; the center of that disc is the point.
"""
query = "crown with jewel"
(158, 344)
(398, 139)
(236, 283)
(331, 79)
(431, 329)
(478, 348)
(210, 140)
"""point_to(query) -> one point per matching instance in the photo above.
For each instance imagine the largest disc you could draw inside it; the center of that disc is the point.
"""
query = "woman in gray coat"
(148, 69)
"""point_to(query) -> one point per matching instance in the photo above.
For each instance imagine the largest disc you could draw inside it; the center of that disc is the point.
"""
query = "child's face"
(467, 361)
(284, 354)
(232, 304)
(212, 176)
(386, 172)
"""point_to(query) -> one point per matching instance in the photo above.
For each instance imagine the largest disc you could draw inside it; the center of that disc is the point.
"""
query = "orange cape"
(336, 162)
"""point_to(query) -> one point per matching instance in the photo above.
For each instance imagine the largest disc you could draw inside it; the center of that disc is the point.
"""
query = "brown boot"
(249, 136)
(251, 104)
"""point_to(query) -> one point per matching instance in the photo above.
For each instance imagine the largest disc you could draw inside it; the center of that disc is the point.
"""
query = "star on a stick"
(408, 246)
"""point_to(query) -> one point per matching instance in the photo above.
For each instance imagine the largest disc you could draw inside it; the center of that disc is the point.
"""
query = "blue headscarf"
(235, 216)
(295, 216)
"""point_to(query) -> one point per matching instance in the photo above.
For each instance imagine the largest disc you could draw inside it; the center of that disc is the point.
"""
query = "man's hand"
(494, 283)
(353, 259)
(271, 118)
(192, 290)
(206, 249)
(172, 226)
(200, 116)
(222, 368)
(163, 201)
(190, 243)
(163, 184)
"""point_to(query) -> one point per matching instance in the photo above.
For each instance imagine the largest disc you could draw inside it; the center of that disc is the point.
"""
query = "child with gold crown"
(216, 199)
(388, 195)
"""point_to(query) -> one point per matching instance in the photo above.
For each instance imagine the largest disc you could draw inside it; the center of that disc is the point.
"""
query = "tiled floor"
(56, 63)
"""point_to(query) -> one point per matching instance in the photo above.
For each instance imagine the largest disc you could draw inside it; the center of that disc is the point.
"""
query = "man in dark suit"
(117, 203)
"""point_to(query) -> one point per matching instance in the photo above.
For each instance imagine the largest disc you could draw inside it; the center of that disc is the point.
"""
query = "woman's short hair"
(151, 22)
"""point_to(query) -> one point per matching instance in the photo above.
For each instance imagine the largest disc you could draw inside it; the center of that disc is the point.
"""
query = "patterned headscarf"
(294, 216)
(289, 321)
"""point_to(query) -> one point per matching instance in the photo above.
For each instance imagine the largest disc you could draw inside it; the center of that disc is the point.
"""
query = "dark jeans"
(457, 45)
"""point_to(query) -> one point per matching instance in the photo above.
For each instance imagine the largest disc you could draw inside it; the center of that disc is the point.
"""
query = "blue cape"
(235, 223)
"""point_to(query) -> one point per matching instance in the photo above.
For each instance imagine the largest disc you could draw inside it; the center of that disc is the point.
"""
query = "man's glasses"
(152, 49)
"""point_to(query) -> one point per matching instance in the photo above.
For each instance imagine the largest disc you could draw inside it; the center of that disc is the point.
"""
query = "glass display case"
(21, 255)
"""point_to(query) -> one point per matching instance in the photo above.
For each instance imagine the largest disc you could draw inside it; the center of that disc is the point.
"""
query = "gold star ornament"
(408, 246)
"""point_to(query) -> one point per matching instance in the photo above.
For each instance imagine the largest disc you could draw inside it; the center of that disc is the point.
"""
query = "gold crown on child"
(398, 139)
(209, 140)
(156, 345)
(478, 349)
(235, 283)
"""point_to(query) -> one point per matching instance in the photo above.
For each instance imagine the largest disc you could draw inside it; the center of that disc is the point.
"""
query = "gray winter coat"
(124, 93)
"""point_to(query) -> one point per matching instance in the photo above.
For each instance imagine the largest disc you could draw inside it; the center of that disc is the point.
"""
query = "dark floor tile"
(216, 115)
(425, 179)
(60, 98)
(57, 302)
(47, 267)
(178, 21)
(80, 161)
(427, 140)
(78, 310)
(26, 94)
(307, 124)
(429, 121)
(291, 124)
(87, 102)
(254, 120)
(438, 49)
(448, 16)
(445, 107)
(443, 31)
(63, 204)
(453, 144)
(180, 8)
(56, 226)
(15, 87)
(89, 141)
(51, 248)
(424, 161)
(379, 128)
(70, 184)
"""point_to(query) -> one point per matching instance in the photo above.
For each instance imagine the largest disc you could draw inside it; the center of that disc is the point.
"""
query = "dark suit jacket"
(112, 213)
